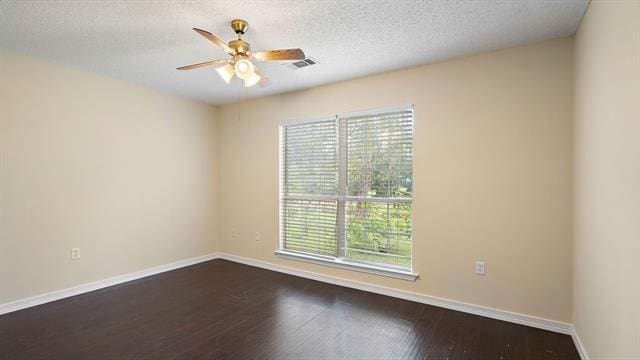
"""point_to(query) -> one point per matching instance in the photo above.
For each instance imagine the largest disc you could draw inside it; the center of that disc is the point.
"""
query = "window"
(346, 189)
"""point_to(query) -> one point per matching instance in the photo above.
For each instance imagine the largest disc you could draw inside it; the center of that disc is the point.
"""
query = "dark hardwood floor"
(220, 309)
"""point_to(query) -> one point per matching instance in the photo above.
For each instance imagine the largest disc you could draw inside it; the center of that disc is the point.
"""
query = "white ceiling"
(144, 41)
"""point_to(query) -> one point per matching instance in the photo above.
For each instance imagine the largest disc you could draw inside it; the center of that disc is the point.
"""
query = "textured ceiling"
(143, 41)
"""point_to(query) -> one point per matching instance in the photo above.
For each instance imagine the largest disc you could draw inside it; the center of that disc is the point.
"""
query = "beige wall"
(124, 173)
(607, 180)
(493, 178)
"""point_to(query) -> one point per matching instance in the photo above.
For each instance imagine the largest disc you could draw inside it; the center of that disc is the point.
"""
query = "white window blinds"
(309, 194)
(346, 187)
(379, 186)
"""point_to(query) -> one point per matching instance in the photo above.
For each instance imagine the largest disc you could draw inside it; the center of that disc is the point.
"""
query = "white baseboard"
(528, 320)
(578, 343)
(80, 289)
(517, 318)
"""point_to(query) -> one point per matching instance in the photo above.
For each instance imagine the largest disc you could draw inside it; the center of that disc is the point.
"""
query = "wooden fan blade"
(214, 39)
(206, 63)
(279, 55)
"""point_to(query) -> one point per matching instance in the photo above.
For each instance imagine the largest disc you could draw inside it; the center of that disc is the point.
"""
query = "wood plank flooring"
(224, 310)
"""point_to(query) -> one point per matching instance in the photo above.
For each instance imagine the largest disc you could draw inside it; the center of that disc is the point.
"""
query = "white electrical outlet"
(480, 270)
(257, 236)
(75, 253)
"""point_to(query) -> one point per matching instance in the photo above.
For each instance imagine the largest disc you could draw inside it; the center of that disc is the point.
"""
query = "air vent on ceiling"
(302, 63)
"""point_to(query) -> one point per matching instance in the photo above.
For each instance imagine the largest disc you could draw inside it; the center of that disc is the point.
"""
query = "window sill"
(349, 265)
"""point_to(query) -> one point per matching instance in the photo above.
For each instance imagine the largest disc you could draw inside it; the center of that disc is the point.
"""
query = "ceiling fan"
(241, 55)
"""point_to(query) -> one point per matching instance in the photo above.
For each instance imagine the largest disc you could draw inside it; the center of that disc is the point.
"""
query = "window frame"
(340, 261)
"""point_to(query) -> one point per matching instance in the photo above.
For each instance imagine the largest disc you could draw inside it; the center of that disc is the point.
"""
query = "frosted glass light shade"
(225, 72)
(244, 69)
(252, 80)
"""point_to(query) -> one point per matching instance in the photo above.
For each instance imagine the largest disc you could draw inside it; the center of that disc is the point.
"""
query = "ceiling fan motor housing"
(239, 47)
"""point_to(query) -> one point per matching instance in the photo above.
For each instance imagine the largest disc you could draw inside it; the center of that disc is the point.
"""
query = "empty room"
(320, 179)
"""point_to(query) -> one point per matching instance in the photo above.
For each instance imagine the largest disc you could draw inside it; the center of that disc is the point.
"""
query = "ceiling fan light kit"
(240, 63)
